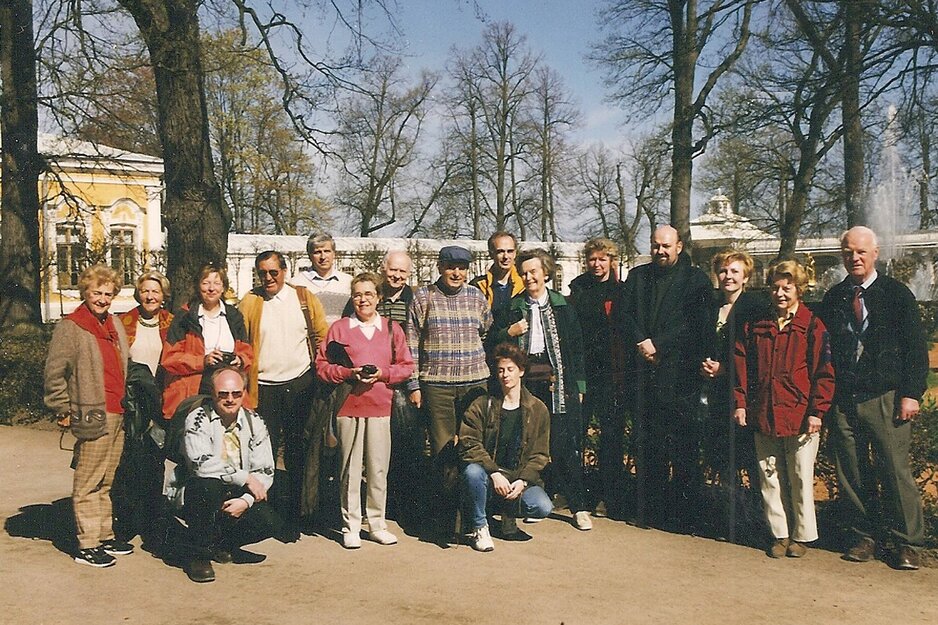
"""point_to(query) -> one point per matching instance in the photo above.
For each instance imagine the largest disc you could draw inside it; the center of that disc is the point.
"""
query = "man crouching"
(223, 487)
(504, 441)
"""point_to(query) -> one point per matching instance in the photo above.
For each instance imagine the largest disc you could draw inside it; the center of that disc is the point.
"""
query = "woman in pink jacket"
(377, 349)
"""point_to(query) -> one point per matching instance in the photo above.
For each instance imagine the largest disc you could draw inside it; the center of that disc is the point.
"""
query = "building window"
(124, 254)
(70, 254)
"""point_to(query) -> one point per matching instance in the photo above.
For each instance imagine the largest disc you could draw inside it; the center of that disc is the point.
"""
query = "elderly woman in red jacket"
(784, 384)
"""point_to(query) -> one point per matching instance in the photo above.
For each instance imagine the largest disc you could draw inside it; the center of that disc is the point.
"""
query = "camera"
(226, 359)
(368, 370)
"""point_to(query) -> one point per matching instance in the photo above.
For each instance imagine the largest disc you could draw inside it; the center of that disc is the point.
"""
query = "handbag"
(88, 426)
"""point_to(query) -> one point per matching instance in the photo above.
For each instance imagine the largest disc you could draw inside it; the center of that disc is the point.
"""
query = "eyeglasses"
(365, 295)
(227, 394)
(273, 273)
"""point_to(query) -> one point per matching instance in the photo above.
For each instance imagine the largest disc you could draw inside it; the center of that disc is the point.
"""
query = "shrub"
(22, 358)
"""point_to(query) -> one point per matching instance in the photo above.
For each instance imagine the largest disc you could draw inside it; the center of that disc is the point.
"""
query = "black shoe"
(200, 571)
(518, 536)
(907, 559)
(240, 556)
(116, 547)
(222, 556)
(96, 557)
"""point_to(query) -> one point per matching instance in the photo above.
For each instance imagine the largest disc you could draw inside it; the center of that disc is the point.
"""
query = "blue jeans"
(478, 490)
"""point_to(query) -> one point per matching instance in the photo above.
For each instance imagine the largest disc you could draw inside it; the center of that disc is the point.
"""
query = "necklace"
(153, 324)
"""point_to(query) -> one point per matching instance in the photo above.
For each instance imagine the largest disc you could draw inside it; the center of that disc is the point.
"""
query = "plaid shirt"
(445, 335)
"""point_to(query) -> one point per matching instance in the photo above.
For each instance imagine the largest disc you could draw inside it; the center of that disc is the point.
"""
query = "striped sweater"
(445, 336)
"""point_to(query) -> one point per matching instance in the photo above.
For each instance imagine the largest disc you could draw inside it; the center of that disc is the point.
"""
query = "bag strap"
(301, 291)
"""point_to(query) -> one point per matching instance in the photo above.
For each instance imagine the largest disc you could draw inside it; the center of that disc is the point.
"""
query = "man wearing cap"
(323, 279)
(448, 320)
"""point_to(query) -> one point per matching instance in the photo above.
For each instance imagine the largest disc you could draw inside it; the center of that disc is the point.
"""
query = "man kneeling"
(504, 442)
(223, 487)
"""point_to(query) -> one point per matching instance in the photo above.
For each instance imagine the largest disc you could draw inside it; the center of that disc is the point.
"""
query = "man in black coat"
(596, 295)
(881, 362)
(666, 317)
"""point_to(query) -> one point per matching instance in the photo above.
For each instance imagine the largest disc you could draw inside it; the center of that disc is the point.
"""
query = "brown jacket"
(74, 375)
(478, 437)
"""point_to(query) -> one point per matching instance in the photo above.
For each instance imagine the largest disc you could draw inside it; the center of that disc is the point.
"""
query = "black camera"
(226, 359)
(368, 370)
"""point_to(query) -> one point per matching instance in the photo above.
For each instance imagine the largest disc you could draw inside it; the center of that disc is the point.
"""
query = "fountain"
(889, 213)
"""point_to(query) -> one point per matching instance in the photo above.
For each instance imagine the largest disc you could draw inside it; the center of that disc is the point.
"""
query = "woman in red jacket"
(784, 384)
(204, 336)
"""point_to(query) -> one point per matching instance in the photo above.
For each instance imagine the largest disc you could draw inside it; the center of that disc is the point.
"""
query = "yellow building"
(98, 204)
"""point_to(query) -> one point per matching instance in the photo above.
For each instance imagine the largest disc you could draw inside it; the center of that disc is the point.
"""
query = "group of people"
(489, 382)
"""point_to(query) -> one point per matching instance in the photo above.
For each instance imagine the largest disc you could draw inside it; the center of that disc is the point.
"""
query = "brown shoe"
(862, 551)
(779, 548)
(796, 549)
(907, 558)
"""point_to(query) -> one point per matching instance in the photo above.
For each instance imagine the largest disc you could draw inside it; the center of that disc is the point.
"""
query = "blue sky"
(560, 31)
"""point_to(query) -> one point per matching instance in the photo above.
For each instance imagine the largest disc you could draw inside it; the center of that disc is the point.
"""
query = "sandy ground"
(614, 574)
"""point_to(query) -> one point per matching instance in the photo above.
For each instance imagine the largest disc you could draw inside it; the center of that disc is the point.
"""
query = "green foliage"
(23, 351)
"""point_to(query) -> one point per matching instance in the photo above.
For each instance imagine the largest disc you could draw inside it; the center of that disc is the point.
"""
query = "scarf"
(552, 344)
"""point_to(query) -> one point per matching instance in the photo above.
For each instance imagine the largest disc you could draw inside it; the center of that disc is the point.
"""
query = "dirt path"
(615, 574)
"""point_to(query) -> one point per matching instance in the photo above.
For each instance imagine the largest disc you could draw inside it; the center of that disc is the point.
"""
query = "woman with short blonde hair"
(84, 384)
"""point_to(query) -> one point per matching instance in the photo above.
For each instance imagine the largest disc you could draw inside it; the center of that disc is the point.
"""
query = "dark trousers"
(606, 403)
(285, 408)
(445, 404)
(210, 528)
(565, 471)
(667, 436)
(137, 494)
(871, 448)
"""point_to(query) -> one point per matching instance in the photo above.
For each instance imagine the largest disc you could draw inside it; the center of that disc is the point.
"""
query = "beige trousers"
(787, 479)
(365, 439)
(95, 464)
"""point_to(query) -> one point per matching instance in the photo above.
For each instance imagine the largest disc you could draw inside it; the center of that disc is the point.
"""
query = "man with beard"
(665, 317)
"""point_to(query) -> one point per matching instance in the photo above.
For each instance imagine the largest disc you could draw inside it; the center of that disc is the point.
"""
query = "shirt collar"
(203, 315)
(355, 322)
(541, 301)
(869, 281)
(315, 276)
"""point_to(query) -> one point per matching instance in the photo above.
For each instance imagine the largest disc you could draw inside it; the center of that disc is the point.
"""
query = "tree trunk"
(853, 124)
(19, 121)
(194, 214)
(682, 139)
(925, 216)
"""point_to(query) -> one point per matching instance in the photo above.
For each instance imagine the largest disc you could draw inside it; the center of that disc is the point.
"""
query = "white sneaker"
(481, 540)
(351, 540)
(533, 519)
(582, 521)
(382, 537)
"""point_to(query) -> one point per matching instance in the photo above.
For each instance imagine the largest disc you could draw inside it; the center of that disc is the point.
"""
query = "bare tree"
(493, 83)
(379, 128)
(554, 114)
(656, 48)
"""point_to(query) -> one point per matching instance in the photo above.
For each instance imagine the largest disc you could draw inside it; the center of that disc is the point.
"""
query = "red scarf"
(109, 345)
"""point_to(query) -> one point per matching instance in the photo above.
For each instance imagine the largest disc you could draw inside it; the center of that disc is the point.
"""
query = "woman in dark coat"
(728, 447)
(545, 326)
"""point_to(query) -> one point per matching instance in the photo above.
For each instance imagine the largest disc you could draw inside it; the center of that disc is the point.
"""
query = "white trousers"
(787, 479)
(368, 440)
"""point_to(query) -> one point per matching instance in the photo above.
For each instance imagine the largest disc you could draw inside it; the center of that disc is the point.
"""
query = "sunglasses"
(273, 273)
(227, 394)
